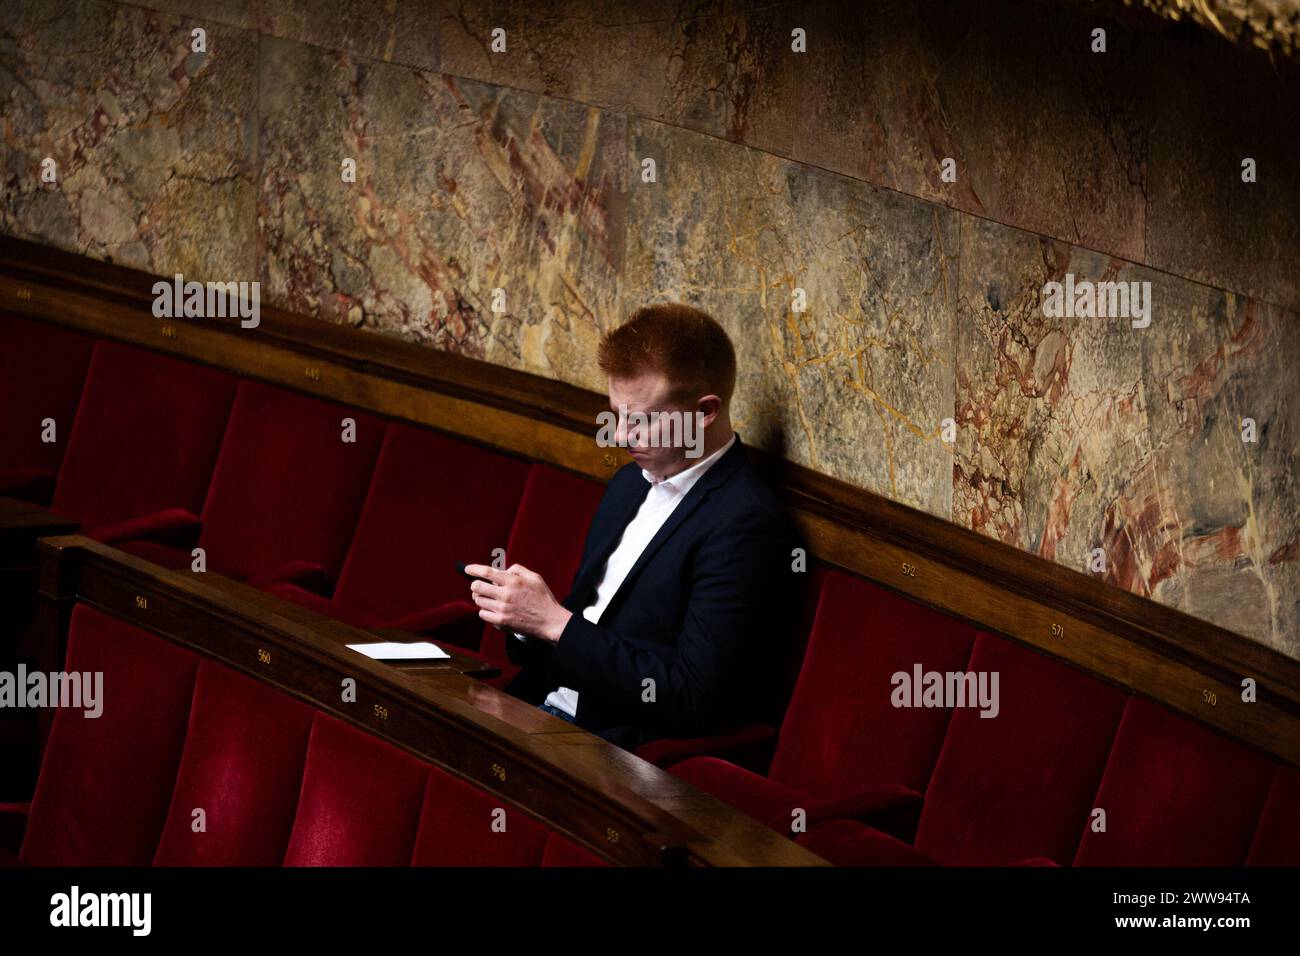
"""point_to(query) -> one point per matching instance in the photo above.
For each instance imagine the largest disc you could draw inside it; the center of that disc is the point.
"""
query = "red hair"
(687, 346)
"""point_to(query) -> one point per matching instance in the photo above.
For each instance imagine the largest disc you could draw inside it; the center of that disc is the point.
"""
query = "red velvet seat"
(286, 490)
(323, 605)
(242, 766)
(843, 747)
(462, 825)
(106, 782)
(360, 801)
(163, 555)
(548, 534)
(1175, 794)
(1277, 838)
(433, 501)
(277, 780)
(42, 371)
(145, 441)
(1020, 785)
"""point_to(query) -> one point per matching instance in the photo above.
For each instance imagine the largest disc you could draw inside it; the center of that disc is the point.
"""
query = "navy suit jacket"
(705, 613)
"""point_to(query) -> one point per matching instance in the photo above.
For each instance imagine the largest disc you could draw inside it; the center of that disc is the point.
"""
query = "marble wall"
(774, 171)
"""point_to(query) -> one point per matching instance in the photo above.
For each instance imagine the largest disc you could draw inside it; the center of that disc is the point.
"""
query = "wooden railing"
(616, 805)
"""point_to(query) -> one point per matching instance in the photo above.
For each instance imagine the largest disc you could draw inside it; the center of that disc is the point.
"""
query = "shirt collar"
(687, 477)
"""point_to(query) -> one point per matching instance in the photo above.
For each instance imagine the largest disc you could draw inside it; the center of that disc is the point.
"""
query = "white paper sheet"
(393, 651)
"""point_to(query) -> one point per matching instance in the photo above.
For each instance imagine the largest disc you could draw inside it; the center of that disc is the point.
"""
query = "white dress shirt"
(660, 501)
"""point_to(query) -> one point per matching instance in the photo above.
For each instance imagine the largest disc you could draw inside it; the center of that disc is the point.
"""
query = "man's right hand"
(518, 598)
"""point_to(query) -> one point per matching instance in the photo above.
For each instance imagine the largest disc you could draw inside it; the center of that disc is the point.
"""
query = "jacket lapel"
(609, 534)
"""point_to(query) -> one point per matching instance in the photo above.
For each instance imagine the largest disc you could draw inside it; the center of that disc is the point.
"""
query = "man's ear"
(709, 407)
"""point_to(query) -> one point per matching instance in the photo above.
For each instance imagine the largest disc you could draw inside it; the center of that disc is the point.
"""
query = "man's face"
(647, 392)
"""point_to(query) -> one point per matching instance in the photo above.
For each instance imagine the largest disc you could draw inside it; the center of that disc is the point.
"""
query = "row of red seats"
(875, 783)
(193, 764)
(166, 455)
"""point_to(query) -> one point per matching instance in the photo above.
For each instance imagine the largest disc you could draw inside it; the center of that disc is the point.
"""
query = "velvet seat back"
(146, 437)
(433, 501)
(1020, 784)
(106, 782)
(841, 733)
(287, 487)
(360, 801)
(1175, 794)
(191, 763)
(241, 770)
(42, 371)
(462, 825)
(548, 535)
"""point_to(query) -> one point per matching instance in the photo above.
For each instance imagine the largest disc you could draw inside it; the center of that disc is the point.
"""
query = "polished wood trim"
(615, 804)
(1124, 638)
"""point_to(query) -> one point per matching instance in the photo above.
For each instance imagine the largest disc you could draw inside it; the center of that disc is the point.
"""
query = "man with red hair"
(688, 585)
